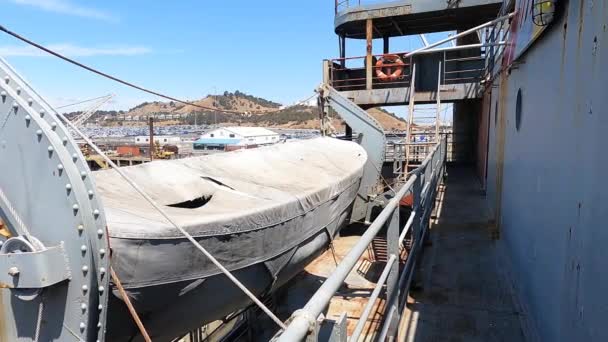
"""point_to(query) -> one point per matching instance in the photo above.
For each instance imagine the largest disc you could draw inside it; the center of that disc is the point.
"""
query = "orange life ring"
(385, 65)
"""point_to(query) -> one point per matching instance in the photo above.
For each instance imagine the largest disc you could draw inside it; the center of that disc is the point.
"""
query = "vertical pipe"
(438, 104)
(151, 125)
(386, 46)
(392, 242)
(342, 51)
(368, 60)
(410, 122)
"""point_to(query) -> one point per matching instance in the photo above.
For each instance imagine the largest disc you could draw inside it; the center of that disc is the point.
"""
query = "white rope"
(15, 215)
(175, 224)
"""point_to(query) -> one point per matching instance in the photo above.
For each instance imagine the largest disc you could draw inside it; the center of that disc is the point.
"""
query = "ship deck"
(459, 291)
(462, 293)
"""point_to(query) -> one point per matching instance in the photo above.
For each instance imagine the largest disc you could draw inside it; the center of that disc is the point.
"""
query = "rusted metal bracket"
(34, 270)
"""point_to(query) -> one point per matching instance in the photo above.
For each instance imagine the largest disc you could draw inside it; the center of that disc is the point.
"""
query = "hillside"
(236, 108)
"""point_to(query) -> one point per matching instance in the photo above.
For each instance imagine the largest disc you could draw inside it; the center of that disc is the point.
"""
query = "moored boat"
(263, 213)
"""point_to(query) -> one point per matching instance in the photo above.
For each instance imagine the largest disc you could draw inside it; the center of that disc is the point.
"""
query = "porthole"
(518, 110)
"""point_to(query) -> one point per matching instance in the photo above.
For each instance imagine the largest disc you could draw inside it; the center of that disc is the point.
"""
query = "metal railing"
(422, 184)
(472, 63)
(468, 64)
(350, 73)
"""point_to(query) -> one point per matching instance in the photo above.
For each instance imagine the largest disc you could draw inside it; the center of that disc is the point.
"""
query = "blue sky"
(186, 49)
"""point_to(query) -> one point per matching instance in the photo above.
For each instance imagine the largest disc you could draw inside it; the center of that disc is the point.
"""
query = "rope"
(173, 223)
(119, 80)
(39, 317)
(108, 76)
(132, 183)
(11, 209)
(127, 301)
(81, 102)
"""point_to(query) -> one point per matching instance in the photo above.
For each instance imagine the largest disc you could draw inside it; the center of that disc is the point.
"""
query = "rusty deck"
(461, 293)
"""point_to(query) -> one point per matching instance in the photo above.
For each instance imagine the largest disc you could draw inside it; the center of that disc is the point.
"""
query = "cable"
(173, 223)
(81, 102)
(113, 78)
(121, 81)
(125, 298)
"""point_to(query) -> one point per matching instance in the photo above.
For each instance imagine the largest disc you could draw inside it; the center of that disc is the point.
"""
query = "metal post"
(368, 65)
(343, 51)
(386, 44)
(408, 138)
(151, 124)
(392, 242)
(438, 104)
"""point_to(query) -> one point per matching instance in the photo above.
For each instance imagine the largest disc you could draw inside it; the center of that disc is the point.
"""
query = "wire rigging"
(116, 79)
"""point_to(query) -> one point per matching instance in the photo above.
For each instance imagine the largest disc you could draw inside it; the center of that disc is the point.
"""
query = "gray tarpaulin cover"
(245, 207)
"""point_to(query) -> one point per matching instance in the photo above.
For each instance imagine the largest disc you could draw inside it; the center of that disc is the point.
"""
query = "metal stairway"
(372, 139)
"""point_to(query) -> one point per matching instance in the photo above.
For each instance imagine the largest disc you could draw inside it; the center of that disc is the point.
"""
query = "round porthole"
(518, 110)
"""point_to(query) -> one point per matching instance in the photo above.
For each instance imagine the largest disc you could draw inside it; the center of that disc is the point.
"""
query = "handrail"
(423, 184)
(493, 40)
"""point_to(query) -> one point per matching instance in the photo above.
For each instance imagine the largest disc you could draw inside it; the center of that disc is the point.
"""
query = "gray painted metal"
(49, 189)
(373, 141)
(547, 180)
(399, 96)
(423, 183)
(32, 270)
(396, 18)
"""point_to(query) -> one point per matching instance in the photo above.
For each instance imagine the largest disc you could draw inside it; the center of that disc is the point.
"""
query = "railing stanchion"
(392, 242)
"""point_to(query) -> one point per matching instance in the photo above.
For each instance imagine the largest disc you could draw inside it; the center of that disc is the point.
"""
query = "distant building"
(231, 138)
(160, 139)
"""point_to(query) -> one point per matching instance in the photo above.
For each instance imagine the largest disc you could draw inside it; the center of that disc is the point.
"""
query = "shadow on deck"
(461, 294)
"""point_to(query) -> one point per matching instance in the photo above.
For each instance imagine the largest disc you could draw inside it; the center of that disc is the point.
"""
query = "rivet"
(7, 79)
(42, 113)
(60, 168)
(85, 269)
(96, 213)
(85, 289)
(101, 289)
(91, 194)
(65, 141)
(83, 306)
(74, 157)
(50, 149)
(13, 271)
(30, 101)
(99, 325)
(83, 248)
(39, 134)
(54, 126)
(82, 326)
(102, 271)
(3, 95)
(100, 307)
(83, 174)
(80, 228)
(27, 120)
(68, 188)
(18, 91)
(99, 233)
(75, 208)
(102, 252)
(15, 106)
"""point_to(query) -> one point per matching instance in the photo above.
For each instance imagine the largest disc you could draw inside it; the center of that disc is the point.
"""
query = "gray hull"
(264, 214)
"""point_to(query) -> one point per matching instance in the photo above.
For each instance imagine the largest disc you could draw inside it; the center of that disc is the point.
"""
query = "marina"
(233, 218)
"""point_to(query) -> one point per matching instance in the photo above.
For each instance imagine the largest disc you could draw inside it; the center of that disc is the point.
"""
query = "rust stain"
(581, 22)
(500, 148)
(564, 39)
